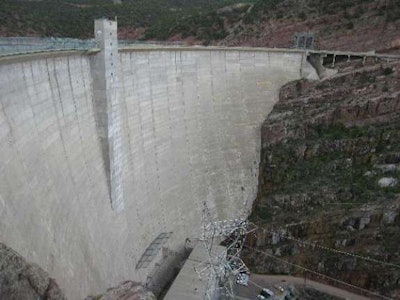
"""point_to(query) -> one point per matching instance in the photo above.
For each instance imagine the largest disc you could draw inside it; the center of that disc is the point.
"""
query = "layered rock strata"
(329, 172)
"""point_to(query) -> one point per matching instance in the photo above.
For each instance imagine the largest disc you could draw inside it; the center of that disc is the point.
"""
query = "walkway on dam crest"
(155, 47)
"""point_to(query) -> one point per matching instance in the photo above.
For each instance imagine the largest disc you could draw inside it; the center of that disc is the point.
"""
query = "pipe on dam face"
(189, 132)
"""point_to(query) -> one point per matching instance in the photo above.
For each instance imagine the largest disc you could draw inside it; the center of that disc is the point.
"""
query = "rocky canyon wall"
(329, 179)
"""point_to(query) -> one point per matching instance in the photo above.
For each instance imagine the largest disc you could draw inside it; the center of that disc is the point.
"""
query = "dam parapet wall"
(172, 128)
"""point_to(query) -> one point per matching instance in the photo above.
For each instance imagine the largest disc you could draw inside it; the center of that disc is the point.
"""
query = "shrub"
(350, 25)
(302, 16)
(385, 88)
(387, 71)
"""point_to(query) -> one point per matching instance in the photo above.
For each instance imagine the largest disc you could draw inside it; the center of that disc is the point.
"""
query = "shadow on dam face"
(188, 131)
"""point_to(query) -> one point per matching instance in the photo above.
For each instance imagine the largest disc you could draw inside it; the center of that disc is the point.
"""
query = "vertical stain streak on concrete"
(88, 118)
(36, 118)
(145, 89)
(200, 177)
(10, 144)
(139, 143)
(189, 216)
(218, 83)
(126, 102)
(61, 129)
(58, 88)
(169, 125)
(186, 103)
(78, 122)
(63, 232)
(227, 160)
(157, 141)
(175, 82)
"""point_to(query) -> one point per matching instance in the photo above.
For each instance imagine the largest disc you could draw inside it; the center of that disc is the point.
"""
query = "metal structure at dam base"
(112, 151)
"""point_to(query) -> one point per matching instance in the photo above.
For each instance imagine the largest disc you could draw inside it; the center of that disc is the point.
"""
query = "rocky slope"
(21, 280)
(362, 25)
(359, 25)
(329, 177)
(127, 290)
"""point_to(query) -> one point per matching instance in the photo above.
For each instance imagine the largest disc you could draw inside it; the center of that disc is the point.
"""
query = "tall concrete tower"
(107, 108)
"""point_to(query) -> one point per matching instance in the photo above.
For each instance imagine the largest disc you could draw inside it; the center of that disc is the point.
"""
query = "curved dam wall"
(193, 119)
(189, 121)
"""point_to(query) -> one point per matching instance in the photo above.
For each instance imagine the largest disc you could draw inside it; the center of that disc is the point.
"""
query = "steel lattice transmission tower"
(222, 268)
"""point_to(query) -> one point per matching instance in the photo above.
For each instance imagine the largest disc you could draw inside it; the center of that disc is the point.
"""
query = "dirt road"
(268, 281)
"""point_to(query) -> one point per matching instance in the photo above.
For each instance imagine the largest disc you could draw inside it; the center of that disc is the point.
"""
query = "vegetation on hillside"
(228, 22)
(303, 9)
(74, 18)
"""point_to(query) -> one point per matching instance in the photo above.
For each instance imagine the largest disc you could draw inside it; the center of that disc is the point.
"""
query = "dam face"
(188, 131)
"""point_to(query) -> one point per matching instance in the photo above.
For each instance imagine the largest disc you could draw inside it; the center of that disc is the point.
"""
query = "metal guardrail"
(18, 45)
(127, 43)
(357, 54)
(24, 45)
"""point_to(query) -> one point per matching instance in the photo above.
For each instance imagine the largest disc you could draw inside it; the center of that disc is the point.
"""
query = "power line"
(367, 258)
(318, 274)
(364, 206)
(330, 217)
(315, 245)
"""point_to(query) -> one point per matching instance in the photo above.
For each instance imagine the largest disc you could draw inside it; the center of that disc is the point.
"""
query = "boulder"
(387, 182)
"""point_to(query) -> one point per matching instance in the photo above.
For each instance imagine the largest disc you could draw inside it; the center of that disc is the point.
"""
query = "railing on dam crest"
(16, 45)
(22, 45)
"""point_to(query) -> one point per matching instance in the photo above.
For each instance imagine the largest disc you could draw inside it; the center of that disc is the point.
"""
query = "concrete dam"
(102, 151)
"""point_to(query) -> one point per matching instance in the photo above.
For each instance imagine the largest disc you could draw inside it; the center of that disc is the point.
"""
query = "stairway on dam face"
(189, 122)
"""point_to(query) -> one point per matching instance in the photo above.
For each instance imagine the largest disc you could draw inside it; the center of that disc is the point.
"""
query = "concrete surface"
(188, 285)
(190, 131)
